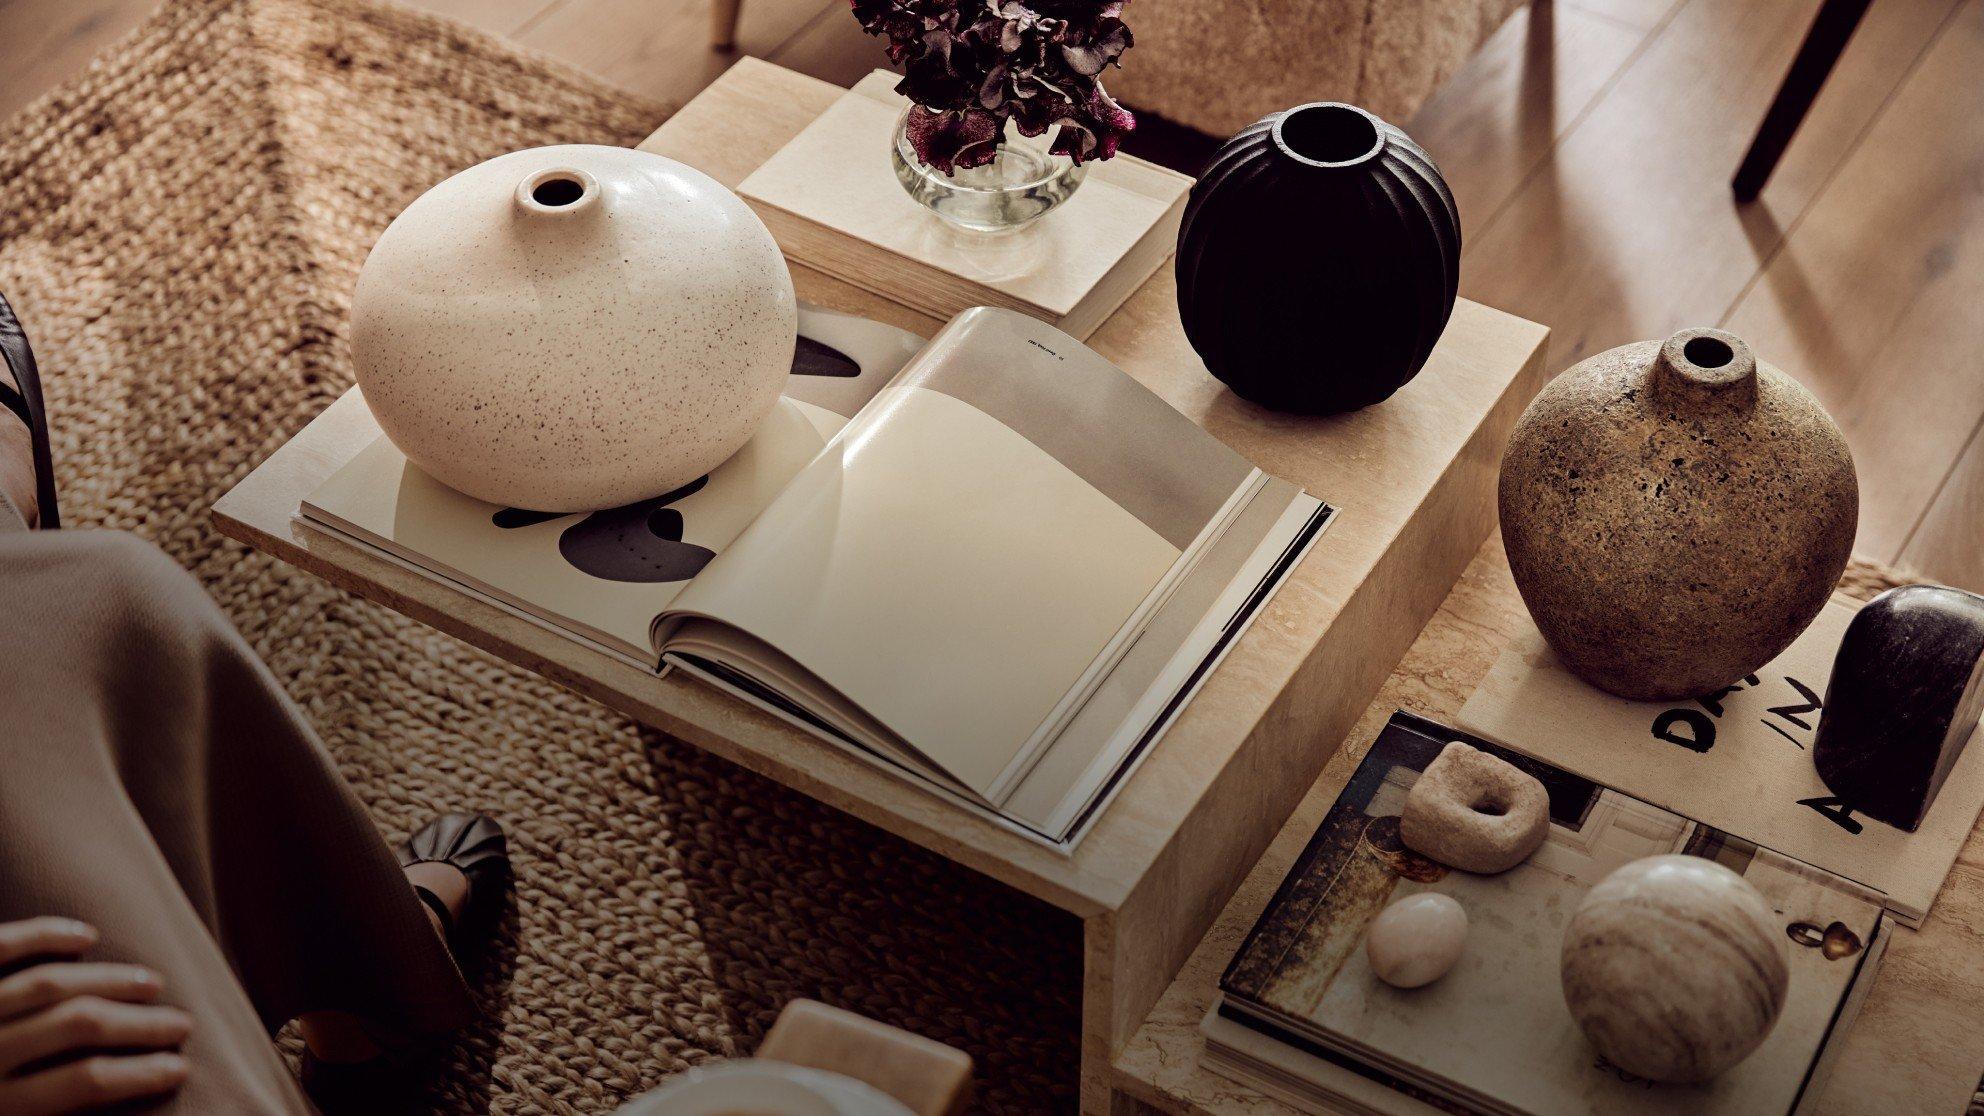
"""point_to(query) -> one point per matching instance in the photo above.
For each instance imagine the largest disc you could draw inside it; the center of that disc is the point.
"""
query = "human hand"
(77, 1035)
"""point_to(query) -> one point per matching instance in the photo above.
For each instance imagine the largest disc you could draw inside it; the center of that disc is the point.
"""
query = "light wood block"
(1415, 479)
(927, 1076)
(1914, 1048)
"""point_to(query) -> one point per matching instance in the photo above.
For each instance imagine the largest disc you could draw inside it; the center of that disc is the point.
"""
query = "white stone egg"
(1675, 967)
(573, 328)
(1416, 940)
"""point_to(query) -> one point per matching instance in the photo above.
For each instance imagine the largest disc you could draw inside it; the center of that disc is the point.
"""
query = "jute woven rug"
(180, 230)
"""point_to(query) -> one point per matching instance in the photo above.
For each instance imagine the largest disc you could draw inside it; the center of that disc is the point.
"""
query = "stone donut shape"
(1475, 812)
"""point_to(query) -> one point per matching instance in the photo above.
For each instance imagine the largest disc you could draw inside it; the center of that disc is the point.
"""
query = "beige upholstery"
(1219, 65)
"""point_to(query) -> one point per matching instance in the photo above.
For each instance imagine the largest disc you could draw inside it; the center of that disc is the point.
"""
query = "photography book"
(993, 563)
(1302, 1017)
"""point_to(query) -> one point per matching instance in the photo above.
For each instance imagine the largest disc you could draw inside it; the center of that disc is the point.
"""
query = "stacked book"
(1302, 1018)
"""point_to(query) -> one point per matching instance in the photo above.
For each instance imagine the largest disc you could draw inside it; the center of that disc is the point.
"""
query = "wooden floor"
(1590, 146)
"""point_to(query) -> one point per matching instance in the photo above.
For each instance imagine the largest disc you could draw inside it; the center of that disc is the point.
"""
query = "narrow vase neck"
(1703, 365)
(557, 194)
(1329, 135)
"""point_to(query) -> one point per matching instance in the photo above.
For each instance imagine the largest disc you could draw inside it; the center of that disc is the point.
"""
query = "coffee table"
(1415, 479)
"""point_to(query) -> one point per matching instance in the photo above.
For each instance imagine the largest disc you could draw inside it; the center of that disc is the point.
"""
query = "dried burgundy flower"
(975, 64)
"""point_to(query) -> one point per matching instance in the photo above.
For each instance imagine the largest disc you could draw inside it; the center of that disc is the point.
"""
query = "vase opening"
(1329, 134)
(1706, 362)
(1708, 352)
(557, 190)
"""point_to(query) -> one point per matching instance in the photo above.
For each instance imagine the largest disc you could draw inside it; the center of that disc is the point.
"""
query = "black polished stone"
(1905, 694)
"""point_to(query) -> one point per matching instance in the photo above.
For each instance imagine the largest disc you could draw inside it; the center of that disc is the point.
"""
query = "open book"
(994, 562)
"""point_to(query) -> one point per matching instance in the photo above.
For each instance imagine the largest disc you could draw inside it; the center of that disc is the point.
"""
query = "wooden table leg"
(723, 22)
(1823, 45)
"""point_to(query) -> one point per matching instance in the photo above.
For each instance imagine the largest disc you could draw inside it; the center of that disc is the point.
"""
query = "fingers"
(93, 1083)
(43, 937)
(40, 986)
(89, 1023)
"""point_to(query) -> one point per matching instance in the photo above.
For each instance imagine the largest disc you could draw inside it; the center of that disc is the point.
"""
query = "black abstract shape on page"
(510, 518)
(810, 358)
(642, 541)
(637, 542)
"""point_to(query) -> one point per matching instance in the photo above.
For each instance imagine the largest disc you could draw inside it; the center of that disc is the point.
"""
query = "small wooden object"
(723, 22)
(932, 1079)
(831, 199)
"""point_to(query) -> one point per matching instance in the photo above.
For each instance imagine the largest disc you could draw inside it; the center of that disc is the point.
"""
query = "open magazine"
(1301, 1016)
(992, 562)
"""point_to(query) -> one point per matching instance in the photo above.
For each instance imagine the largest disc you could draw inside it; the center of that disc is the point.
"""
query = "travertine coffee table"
(1414, 477)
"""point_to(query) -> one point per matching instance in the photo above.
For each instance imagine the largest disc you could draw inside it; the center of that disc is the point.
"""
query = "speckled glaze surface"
(1675, 968)
(1416, 940)
(573, 328)
(1674, 520)
(1475, 812)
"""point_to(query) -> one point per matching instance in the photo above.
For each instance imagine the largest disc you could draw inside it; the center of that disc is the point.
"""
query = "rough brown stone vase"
(1675, 514)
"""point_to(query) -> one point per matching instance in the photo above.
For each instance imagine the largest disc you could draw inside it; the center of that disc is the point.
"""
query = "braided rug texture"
(180, 232)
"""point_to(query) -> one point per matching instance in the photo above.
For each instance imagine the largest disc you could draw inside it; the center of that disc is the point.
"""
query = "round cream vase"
(573, 328)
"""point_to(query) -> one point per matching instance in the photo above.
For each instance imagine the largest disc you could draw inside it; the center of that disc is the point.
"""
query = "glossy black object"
(1318, 260)
(23, 382)
(1906, 691)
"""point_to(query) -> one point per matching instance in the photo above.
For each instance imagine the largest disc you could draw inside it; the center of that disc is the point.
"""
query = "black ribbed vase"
(1318, 260)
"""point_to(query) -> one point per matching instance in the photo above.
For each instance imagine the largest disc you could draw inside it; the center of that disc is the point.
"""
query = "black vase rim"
(1350, 158)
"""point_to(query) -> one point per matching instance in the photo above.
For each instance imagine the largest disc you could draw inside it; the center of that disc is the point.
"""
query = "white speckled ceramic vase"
(573, 328)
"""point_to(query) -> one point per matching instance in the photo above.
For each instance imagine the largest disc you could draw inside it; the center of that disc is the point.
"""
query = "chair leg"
(1823, 45)
(723, 22)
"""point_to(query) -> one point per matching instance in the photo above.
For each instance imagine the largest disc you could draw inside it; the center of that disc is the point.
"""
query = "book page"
(606, 575)
(963, 553)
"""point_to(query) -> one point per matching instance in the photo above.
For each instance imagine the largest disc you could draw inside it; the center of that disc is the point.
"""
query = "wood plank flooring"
(1589, 144)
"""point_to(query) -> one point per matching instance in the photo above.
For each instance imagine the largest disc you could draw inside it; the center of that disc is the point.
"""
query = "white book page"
(973, 552)
(943, 573)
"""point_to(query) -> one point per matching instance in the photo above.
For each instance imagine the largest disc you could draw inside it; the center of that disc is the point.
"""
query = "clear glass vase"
(1021, 184)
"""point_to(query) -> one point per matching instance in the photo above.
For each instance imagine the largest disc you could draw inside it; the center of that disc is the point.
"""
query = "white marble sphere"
(1416, 940)
(573, 328)
(1675, 967)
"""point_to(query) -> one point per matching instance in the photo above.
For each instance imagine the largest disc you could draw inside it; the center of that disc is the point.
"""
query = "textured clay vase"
(573, 328)
(1675, 968)
(1318, 260)
(1675, 514)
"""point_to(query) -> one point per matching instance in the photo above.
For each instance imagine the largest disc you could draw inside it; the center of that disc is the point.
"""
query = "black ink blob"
(642, 541)
(810, 358)
(638, 542)
(521, 517)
